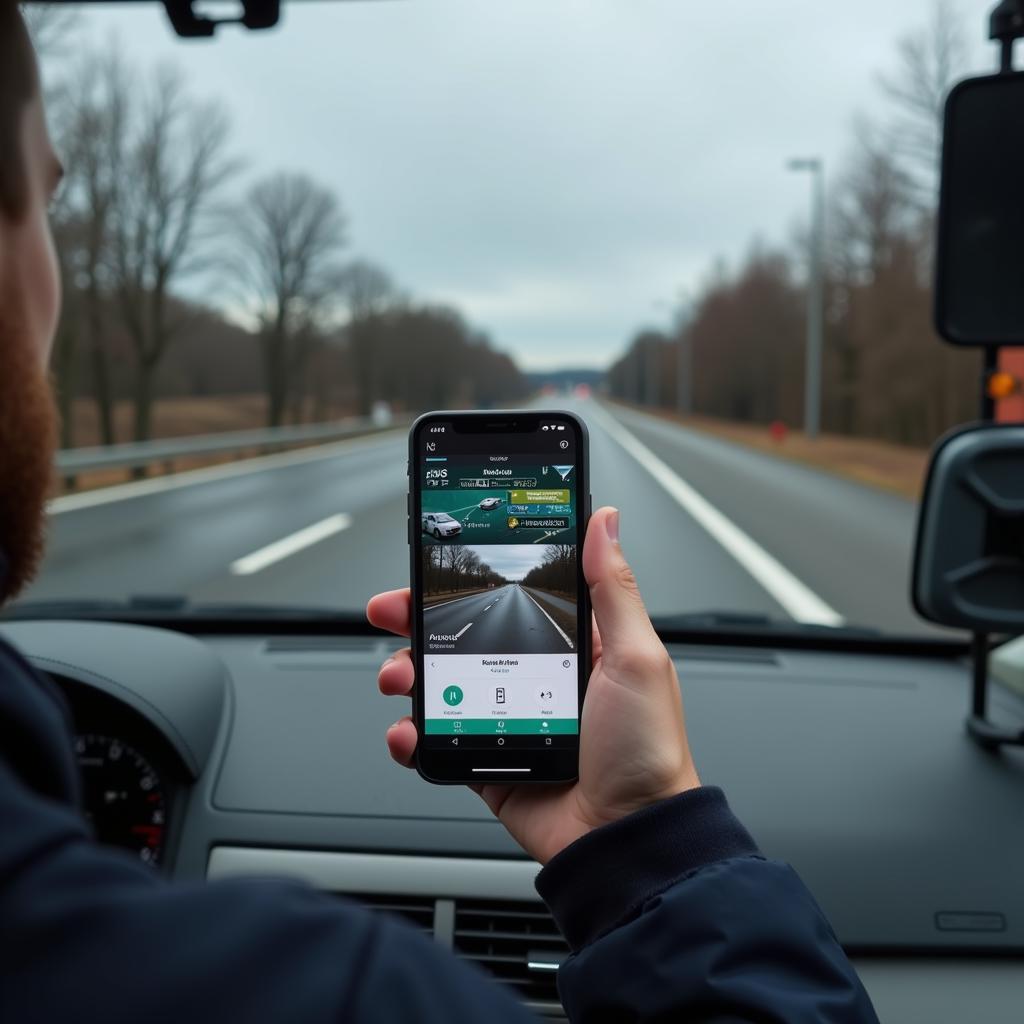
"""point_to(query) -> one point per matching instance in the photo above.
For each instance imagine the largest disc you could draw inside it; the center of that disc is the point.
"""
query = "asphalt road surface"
(707, 525)
(506, 620)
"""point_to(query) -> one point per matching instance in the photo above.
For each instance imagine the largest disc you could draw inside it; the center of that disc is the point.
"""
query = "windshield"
(706, 229)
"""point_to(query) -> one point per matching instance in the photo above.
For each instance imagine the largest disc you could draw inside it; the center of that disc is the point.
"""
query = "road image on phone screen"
(499, 579)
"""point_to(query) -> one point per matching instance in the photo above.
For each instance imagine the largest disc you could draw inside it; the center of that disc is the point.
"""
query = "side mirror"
(969, 555)
(979, 285)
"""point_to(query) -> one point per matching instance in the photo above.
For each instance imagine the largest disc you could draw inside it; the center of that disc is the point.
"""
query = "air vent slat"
(489, 915)
(486, 933)
(417, 912)
(517, 942)
(493, 958)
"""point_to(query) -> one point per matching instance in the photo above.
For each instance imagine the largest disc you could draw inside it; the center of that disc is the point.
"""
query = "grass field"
(175, 417)
(172, 417)
(890, 467)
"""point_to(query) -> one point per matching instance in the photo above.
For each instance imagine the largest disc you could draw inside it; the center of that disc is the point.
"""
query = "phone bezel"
(443, 766)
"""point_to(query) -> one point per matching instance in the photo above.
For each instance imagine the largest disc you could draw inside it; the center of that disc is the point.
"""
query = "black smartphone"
(498, 509)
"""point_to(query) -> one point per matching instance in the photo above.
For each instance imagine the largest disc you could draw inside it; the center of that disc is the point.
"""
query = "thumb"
(618, 608)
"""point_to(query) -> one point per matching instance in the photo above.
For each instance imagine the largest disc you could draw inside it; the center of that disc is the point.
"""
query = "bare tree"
(89, 119)
(368, 289)
(290, 231)
(369, 293)
(174, 166)
(873, 208)
(929, 60)
(50, 26)
(66, 228)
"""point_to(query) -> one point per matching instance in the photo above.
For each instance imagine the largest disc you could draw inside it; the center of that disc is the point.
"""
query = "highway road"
(506, 620)
(707, 525)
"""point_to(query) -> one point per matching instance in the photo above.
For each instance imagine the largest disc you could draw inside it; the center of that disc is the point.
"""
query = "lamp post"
(815, 294)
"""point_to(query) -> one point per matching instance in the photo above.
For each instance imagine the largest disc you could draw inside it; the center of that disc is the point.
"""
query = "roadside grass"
(566, 620)
(896, 468)
(172, 417)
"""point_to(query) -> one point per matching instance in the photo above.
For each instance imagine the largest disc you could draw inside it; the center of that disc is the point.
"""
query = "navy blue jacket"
(672, 914)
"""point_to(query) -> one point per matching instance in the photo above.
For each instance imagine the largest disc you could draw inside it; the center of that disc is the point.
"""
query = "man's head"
(29, 305)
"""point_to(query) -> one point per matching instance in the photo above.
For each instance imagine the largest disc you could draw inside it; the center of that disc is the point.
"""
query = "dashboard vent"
(517, 942)
(416, 910)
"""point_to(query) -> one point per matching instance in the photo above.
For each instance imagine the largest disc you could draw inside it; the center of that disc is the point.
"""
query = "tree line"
(738, 346)
(556, 572)
(147, 209)
(452, 567)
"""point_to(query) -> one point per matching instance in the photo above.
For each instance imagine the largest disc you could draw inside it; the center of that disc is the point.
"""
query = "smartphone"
(498, 508)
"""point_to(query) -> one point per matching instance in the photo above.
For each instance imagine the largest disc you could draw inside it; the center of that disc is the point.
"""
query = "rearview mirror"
(979, 285)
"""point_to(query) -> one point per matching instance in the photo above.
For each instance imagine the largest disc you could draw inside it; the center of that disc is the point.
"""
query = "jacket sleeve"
(673, 914)
(87, 934)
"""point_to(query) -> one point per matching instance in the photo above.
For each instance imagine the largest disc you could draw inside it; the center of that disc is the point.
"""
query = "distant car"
(440, 524)
(488, 503)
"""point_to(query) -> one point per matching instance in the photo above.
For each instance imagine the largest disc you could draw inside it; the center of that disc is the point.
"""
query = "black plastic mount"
(256, 14)
(1006, 24)
(979, 728)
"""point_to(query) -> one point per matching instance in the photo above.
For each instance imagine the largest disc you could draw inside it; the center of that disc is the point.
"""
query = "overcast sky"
(561, 170)
(513, 561)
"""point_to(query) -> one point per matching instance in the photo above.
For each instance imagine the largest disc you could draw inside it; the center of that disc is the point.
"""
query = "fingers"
(391, 611)
(618, 608)
(397, 674)
(401, 741)
(395, 679)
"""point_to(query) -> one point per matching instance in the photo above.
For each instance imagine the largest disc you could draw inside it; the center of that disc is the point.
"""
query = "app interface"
(499, 587)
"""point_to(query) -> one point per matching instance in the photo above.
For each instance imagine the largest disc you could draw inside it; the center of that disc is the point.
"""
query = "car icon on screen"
(440, 524)
(488, 503)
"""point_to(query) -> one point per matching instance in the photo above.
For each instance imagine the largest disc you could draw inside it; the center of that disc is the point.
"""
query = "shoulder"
(35, 727)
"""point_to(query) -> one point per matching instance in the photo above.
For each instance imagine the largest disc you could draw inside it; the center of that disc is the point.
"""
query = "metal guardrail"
(73, 461)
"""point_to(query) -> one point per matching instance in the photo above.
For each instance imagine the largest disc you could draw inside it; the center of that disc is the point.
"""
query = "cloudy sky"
(513, 561)
(561, 170)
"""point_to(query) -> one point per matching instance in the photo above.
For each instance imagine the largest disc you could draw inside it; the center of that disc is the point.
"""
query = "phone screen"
(498, 518)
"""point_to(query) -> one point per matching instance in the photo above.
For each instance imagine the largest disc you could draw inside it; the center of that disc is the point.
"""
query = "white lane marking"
(551, 620)
(291, 544)
(463, 630)
(191, 477)
(489, 607)
(430, 608)
(792, 594)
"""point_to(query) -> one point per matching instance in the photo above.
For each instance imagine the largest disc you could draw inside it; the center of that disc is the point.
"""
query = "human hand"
(633, 746)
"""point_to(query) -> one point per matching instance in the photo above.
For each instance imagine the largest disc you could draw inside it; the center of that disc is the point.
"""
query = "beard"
(28, 439)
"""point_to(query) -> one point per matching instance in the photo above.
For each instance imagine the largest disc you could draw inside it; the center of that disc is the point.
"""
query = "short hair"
(18, 86)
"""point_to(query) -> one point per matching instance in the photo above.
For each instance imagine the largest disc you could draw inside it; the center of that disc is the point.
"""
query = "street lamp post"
(815, 294)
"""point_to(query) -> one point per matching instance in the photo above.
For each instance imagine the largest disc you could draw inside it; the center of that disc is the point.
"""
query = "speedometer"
(125, 799)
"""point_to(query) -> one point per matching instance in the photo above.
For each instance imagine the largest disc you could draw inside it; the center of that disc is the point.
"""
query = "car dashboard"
(252, 753)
